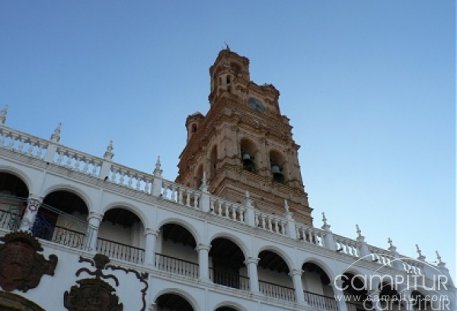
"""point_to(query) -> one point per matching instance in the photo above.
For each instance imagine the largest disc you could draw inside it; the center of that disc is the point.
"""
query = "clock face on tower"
(256, 104)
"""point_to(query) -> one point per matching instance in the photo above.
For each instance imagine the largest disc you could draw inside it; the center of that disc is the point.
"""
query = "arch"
(18, 174)
(232, 238)
(70, 188)
(183, 224)
(278, 165)
(280, 253)
(181, 293)
(129, 207)
(212, 161)
(11, 301)
(248, 154)
(230, 304)
(321, 264)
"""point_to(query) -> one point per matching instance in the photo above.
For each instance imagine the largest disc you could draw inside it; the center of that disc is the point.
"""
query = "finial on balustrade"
(360, 237)
(392, 247)
(109, 151)
(286, 206)
(55, 137)
(325, 226)
(247, 200)
(421, 257)
(158, 168)
(3, 114)
(441, 264)
(204, 185)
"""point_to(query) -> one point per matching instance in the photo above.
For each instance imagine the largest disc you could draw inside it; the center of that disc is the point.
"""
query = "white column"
(94, 220)
(296, 278)
(28, 219)
(251, 263)
(203, 251)
(150, 249)
(337, 286)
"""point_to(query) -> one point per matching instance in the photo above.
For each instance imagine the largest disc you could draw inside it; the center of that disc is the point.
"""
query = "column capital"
(150, 231)
(35, 197)
(95, 215)
(253, 260)
(202, 246)
(298, 272)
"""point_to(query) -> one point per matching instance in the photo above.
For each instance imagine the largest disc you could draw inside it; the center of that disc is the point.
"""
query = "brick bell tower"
(244, 143)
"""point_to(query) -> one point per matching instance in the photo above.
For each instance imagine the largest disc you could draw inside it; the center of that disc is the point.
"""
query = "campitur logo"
(409, 289)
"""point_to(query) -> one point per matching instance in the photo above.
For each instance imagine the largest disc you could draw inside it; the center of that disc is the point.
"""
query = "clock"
(256, 104)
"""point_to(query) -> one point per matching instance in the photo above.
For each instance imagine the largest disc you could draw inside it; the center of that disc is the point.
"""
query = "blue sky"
(369, 87)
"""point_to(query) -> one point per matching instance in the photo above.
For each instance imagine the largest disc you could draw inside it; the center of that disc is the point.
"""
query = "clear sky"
(369, 87)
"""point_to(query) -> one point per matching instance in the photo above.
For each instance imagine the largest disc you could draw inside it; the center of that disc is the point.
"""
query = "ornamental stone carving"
(93, 294)
(21, 266)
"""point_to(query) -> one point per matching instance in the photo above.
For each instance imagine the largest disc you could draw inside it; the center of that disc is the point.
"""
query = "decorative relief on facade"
(21, 266)
(95, 294)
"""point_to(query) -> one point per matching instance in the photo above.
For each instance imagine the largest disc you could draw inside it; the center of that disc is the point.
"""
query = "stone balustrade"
(347, 246)
(310, 235)
(227, 209)
(271, 222)
(23, 143)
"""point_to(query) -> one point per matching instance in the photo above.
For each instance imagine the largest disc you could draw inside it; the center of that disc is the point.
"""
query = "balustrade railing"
(227, 209)
(120, 251)
(23, 143)
(310, 235)
(77, 161)
(347, 246)
(271, 222)
(176, 266)
(320, 302)
(229, 279)
(180, 194)
(354, 307)
(381, 256)
(277, 291)
(67, 237)
(130, 178)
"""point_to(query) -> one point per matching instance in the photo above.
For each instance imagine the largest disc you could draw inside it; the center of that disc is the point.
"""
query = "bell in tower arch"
(248, 161)
(276, 171)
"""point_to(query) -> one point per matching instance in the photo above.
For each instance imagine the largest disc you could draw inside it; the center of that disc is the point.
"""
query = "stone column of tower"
(244, 143)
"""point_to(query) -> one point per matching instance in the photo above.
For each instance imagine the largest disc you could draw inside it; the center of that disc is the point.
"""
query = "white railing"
(229, 279)
(120, 251)
(67, 237)
(412, 266)
(381, 256)
(320, 302)
(347, 246)
(270, 222)
(310, 235)
(130, 178)
(23, 143)
(180, 194)
(277, 291)
(227, 209)
(77, 161)
(176, 266)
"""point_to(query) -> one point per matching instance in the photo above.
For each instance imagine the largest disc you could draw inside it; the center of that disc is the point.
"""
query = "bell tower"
(244, 143)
